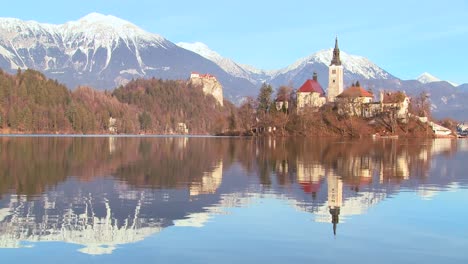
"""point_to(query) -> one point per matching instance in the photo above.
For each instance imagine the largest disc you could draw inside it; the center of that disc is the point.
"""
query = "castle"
(209, 84)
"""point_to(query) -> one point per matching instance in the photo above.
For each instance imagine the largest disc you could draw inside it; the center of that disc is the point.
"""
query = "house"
(310, 95)
(462, 130)
(181, 129)
(352, 101)
(112, 125)
(281, 102)
(397, 102)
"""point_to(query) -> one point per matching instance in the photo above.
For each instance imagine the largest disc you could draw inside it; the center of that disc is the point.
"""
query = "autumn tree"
(421, 105)
(246, 114)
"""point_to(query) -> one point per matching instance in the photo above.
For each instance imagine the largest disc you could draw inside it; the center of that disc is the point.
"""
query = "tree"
(421, 105)
(145, 121)
(284, 94)
(264, 98)
(247, 114)
(232, 121)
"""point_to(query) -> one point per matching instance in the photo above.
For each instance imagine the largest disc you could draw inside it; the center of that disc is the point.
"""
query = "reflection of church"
(335, 198)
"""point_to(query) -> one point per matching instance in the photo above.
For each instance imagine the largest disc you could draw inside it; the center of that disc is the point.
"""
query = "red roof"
(311, 86)
(355, 91)
(310, 187)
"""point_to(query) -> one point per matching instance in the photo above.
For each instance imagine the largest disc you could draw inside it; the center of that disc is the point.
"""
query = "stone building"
(353, 100)
(310, 95)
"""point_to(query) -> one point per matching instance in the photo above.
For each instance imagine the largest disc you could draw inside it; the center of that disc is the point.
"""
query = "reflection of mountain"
(101, 215)
(83, 218)
(102, 193)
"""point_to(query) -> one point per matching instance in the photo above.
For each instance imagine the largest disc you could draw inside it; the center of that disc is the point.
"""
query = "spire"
(335, 213)
(336, 54)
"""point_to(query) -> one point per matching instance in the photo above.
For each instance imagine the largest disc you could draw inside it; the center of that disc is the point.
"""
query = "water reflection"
(103, 193)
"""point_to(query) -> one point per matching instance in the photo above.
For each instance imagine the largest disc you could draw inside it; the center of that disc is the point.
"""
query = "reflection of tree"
(31, 164)
(358, 162)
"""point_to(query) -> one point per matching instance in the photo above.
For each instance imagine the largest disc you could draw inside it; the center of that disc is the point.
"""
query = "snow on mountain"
(352, 64)
(226, 64)
(355, 68)
(104, 51)
(427, 78)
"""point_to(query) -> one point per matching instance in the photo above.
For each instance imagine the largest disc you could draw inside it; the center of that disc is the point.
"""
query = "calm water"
(218, 200)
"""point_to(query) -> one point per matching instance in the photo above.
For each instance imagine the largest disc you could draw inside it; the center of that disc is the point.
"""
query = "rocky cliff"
(210, 85)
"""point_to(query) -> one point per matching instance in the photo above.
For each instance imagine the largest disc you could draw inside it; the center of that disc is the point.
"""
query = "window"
(333, 81)
(333, 71)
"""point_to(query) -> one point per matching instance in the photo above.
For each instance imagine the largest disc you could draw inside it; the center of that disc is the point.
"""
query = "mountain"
(253, 75)
(103, 52)
(355, 68)
(427, 78)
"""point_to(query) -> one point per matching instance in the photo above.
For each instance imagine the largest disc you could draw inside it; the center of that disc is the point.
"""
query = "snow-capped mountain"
(103, 52)
(427, 78)
(250, 73)
(355, 68)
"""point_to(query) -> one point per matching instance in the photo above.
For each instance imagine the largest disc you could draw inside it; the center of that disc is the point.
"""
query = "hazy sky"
(405, 37)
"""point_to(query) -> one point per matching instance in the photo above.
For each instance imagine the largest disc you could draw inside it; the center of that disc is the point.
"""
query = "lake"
(232, 200)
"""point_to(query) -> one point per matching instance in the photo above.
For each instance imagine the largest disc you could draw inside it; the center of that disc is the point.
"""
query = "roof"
(311, 86)
(355, 91)
(281, 98)
(310, 187)
(393, 97)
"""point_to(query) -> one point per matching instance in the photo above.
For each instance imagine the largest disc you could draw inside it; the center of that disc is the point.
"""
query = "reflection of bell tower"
(335, 199)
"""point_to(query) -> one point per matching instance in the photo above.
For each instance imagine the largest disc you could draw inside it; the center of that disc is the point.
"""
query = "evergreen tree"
(145, 121)
(264, 98)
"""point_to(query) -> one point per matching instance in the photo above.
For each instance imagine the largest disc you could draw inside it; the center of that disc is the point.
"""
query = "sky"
(404, 37)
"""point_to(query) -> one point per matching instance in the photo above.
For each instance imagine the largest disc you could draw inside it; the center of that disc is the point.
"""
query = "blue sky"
(404, 37)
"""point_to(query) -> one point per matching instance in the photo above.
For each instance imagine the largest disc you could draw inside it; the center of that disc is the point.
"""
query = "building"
(310, 95)
(112, 125)
(335, 198)
(353, 100)
(182, 129)
(209, 84)
(395, 101)
(335, 75)
(281, 103)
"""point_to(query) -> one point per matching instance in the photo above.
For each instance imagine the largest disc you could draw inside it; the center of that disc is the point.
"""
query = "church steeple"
(335, 213)
(336, 54)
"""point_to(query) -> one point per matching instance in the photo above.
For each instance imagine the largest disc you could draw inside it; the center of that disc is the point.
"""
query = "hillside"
(32, 103)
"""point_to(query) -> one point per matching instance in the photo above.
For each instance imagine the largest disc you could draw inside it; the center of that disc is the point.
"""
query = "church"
(311, 94)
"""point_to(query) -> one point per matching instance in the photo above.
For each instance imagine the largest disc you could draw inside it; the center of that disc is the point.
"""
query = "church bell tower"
(335, 75)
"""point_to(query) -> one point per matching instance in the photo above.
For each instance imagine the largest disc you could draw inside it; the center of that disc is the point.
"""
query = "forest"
(32, 103)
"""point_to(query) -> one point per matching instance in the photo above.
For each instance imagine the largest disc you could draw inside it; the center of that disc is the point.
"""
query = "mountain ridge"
(105, 52)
